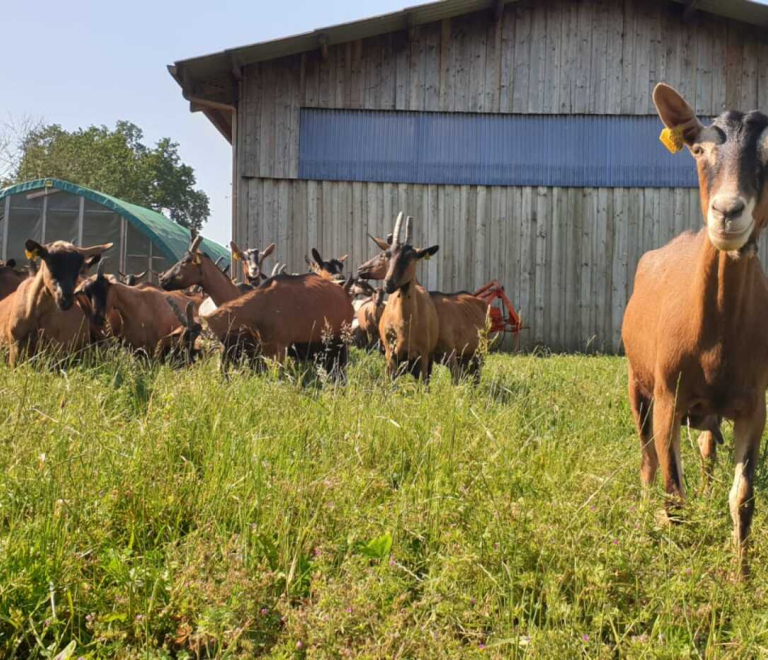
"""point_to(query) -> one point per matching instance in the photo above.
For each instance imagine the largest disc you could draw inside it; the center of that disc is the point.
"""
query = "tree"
(116, 162)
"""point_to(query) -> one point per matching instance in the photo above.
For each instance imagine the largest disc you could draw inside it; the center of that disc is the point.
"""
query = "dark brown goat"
(10, 278)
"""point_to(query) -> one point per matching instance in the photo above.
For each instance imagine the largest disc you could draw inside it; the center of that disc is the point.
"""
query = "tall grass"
(147, 512)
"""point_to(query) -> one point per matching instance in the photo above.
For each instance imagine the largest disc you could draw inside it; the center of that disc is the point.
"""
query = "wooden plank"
(628, 60)
(644, 26)
(514, 246)
(527, 259)
(388, 74)
(719, 57)
(267, 123)
(313, 191)
(253, 234)
(657, 56)
(614, 45)
(325, 95)
(495, 231)
(417, 74)
(551, 76)
(537, 90)
(506, 89)
(540, 289)
(762, 77)
(704, 44)
(284, 234)
(476, 38)
(596, 101)
(479, 260)
(521, 88)
(584, 57)
(443, 238)
(600, 283)
(467, 214)
(568, 55)
(311, 79)
(688, 52)
(446, 68)
(461, 60)
(492, 65)
(586, 295)
(357, 73)
(556, 263)
(620, 230)
(569, 336)
(733, 66)
(457, 231)
(431, 35)
(433, 230)
(748, 98)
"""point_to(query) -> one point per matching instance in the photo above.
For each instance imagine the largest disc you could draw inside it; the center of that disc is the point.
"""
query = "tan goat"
(694, 327)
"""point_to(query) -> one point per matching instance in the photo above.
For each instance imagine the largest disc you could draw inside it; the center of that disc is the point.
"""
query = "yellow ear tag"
(30, 255)
(672, 139)
(236, 256)
(428, 257)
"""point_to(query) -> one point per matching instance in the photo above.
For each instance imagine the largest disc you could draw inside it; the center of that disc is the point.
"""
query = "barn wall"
(548, 56)
(566, 256)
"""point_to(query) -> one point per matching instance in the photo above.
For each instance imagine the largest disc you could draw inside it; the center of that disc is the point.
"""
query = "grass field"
(146, 512)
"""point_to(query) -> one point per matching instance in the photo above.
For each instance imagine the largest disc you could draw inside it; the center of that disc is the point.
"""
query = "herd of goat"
(58, 306)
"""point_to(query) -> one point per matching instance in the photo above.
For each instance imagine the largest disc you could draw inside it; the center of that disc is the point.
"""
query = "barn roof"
(171, 238)
(209, 82)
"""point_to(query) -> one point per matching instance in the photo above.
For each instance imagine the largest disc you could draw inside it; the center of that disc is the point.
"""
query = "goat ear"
(90, 262)
(675, 113)
(383, 245)
(11, 263)
(237, 253)
(426, 253)
(268, 250)
(316, 256)
(33, 250)
(94, 250)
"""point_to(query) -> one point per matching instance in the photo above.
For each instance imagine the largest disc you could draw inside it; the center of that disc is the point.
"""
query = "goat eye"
(696, 150)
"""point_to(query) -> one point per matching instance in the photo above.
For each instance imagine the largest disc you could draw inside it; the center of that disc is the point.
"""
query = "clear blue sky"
(86, 62)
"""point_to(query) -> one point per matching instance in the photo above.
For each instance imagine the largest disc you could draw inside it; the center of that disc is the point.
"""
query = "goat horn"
(100, 269)
(408, 231)
(396, 230)
(276, 269)
(195, 244)
(94, 250)
(282, 268)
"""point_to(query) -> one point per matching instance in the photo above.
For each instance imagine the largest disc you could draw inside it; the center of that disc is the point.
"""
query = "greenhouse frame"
(49, 210)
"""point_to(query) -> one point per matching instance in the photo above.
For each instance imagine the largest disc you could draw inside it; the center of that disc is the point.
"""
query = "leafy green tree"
(118, 163)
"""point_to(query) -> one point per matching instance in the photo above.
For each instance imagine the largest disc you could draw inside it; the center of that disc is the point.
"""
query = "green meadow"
(147, 512)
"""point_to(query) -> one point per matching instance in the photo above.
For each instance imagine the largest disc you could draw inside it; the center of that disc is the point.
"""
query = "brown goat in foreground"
(408, 328)
(42, 312)
(693, 328)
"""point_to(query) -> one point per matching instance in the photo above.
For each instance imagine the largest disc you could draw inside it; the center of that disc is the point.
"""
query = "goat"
(10, 278)
(42, 312)
(131, 279)
(365, 327)
(142, 319)
(408, 327)
(253, 261)
(334, 267)
(197, 268)
(183, 341)
(303, 315)
(692, 329)
(461, 319)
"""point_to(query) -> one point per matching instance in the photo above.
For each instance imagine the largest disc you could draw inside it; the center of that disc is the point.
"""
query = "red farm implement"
(503, 316)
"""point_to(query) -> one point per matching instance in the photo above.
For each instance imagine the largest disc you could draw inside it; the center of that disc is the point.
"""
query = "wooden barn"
(519, 134)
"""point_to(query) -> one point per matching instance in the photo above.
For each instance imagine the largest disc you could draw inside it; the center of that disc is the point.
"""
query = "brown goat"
(10, 278)
(408, 327)
(368, 316)
(301, 314)
(693, 328)
(143, 319)
(461, 319)
(42, 312)
(197, 268)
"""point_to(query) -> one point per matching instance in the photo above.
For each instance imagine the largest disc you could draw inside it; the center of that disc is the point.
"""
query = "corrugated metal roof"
(215, 72)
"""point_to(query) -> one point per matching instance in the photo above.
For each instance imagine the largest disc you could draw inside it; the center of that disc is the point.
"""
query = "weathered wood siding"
(566, 256)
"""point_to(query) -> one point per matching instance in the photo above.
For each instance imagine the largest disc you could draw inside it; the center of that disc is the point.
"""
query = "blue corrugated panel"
(485, 149)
